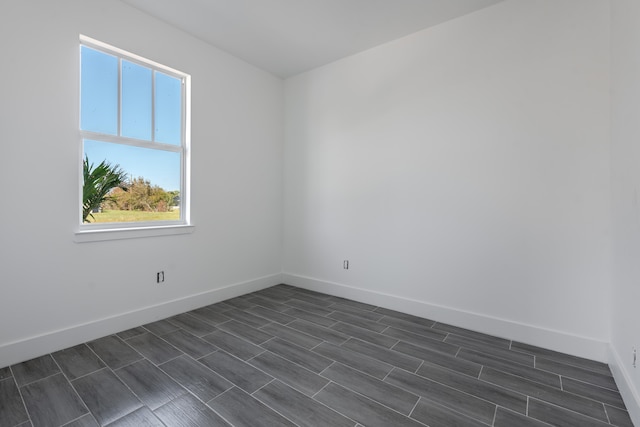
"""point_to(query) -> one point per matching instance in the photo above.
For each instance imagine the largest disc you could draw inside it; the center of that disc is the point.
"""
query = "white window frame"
(89, 232)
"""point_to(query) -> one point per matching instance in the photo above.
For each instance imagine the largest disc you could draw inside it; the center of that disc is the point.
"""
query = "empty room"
(320, 213)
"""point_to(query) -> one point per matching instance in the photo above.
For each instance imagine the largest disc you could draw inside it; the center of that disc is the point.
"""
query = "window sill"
(86, 236)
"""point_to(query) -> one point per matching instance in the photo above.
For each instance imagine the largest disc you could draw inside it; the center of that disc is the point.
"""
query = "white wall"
(464, 172)
(50, 285)
(625, 196)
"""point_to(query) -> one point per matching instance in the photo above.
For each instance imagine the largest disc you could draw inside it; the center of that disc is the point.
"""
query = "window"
(134, 129)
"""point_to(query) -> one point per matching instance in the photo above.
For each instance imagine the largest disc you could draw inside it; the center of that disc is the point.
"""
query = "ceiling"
(287, 37)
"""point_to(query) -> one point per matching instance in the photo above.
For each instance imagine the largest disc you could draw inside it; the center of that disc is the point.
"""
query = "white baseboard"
(630, 394)
(554, 340)
(25, 349)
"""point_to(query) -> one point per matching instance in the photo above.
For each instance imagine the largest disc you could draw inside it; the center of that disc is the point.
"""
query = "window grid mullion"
(119, 96)
(153, 105)
(142, 143)
(183, 144)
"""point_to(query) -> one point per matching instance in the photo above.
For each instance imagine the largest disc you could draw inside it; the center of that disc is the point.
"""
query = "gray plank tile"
(12, 410)
(233, 345)
(358, 321)
(142, 417)
(52, 401)
(310, 317)
(610, 397)
(153, 348)
(215, 317)
(309, 292)
(189, 343)
(129, 333)
(77, 361)
(478, 336)
(277, 290)
(319, 332)
(84, 421)
(533, 374)
(549, 394)
(192, 324)
(506, 418)
(297, 354)
(373, 388)
(152, 386)
(453, 399)
(245, 296)
(316, 321)
(5, 373)
(272, 315)
(285, 287)
(383, 354)
(361, 409)
(435, 415)
(425, 331)
(503, 353)
(240, 373)
(161, 327)
(562, 357)
(577, 373)
(349, 309)
(294, 375)
(365, 334)
(242, 410)
(34, 370)
(195, 377)
(244, 331)
(103, 386)
(114, 352)
(311, 308)
(312, 299)
(275, 294)
(356, 360)
(475, 387)
(281, 288)
(248, 318)
(422, 341)
(292, 335)
(446, 360)
(352, 303)
(187, 411)
(220, 307)
(406, 317)
(240, 303)
(268, 303)
(556, 415)
(618, 417)
(301, 409)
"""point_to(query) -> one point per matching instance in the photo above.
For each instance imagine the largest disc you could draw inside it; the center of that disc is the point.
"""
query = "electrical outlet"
(160, 277)
(345, 264)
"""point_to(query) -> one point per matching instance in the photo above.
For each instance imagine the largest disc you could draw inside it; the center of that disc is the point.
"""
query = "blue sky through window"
(99, 94)
(99, 113)
(136, 101)
(168, 111)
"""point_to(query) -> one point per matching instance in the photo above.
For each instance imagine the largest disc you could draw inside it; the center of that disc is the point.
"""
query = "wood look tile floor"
(286, 356)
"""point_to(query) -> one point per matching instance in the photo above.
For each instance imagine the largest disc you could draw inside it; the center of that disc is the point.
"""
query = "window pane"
(99, 91)
(136, 101)
(168, 109)
(153, 181)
